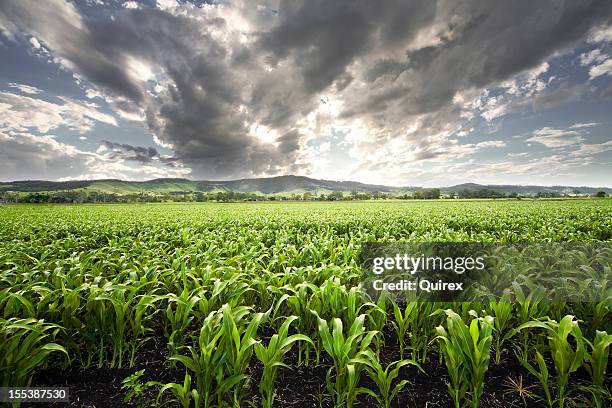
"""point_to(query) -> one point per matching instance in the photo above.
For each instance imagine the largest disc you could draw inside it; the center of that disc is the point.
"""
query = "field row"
(235, 299)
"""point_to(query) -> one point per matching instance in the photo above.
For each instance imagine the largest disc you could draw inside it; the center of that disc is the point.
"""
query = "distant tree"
(336, 196)
(427, 194)
(601, 194)
(548, 194)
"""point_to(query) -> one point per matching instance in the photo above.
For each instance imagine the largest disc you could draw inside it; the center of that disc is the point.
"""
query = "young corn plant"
(182, 393)
(180, 314)
(567, 355)
(597, 362)
(205, 361)
(528, 307)
(300, 304)
(348, 353)
(24, 348)
(384, 378)
(237, 343)
(272, 358)
(127, 329)
(221, 356)
(401, 323)
(377, 319)
(143, 312)
(420, 330)
(466, 350)
(502, 312)
(541, 373)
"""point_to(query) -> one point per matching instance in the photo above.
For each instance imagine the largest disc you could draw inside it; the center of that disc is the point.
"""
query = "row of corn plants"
(242, 294)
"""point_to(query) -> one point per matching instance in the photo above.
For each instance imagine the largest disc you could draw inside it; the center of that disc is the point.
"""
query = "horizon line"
(306, 177)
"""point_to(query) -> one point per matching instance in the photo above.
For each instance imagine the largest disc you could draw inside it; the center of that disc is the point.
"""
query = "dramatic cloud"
(46, 156)
(238, 90)
(128, 152)
(20, 112)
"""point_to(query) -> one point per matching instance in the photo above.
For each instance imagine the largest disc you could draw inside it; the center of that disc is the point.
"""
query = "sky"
(402, 93)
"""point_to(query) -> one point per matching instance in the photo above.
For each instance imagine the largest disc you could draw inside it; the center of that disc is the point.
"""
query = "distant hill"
(269, 185)
(526, 190)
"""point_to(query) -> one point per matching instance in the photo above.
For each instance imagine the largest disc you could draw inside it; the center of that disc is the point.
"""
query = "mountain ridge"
(267, 185)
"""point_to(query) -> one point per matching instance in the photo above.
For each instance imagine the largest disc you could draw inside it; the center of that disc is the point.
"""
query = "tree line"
(233, 196)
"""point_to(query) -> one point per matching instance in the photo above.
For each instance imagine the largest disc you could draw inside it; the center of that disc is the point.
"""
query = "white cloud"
(35, 43)
(494, 108)
(587, 150)
(324, 147)
(605, 68)
(491, 143)
(554, 138)
(601, 34)
(584, 125)
(25, 88)
(515, 93)
(522, 154)
(25, 156)
(131, 5)
(20, 113)
(590, 57)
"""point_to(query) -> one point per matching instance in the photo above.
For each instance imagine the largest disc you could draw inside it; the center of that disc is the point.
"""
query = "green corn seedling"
(183, 393)
(401, 323)
(24, 348)
(466, 351)
(566, 357)
(347, 353)
(272, 358)
(502, 312)
(206, 360)
(597, 362)
(384, 378)
(238, 345)
(541, 372)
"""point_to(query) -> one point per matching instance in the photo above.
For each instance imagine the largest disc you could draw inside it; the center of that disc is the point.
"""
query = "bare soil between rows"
(301, 386)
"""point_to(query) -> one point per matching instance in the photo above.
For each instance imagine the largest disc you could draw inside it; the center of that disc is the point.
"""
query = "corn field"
(240, 305)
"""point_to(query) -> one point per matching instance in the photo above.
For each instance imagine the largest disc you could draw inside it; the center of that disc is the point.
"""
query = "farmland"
(258, 304)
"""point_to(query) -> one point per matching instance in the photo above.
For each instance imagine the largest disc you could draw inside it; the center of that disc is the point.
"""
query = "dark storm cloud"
(488, 43)
(198, 114)
(93, 52)
(326, 36)
(123, 151)
(387, 61)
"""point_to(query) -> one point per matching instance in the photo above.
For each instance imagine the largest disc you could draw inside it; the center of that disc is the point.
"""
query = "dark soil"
(299, 387)
(101, 387)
